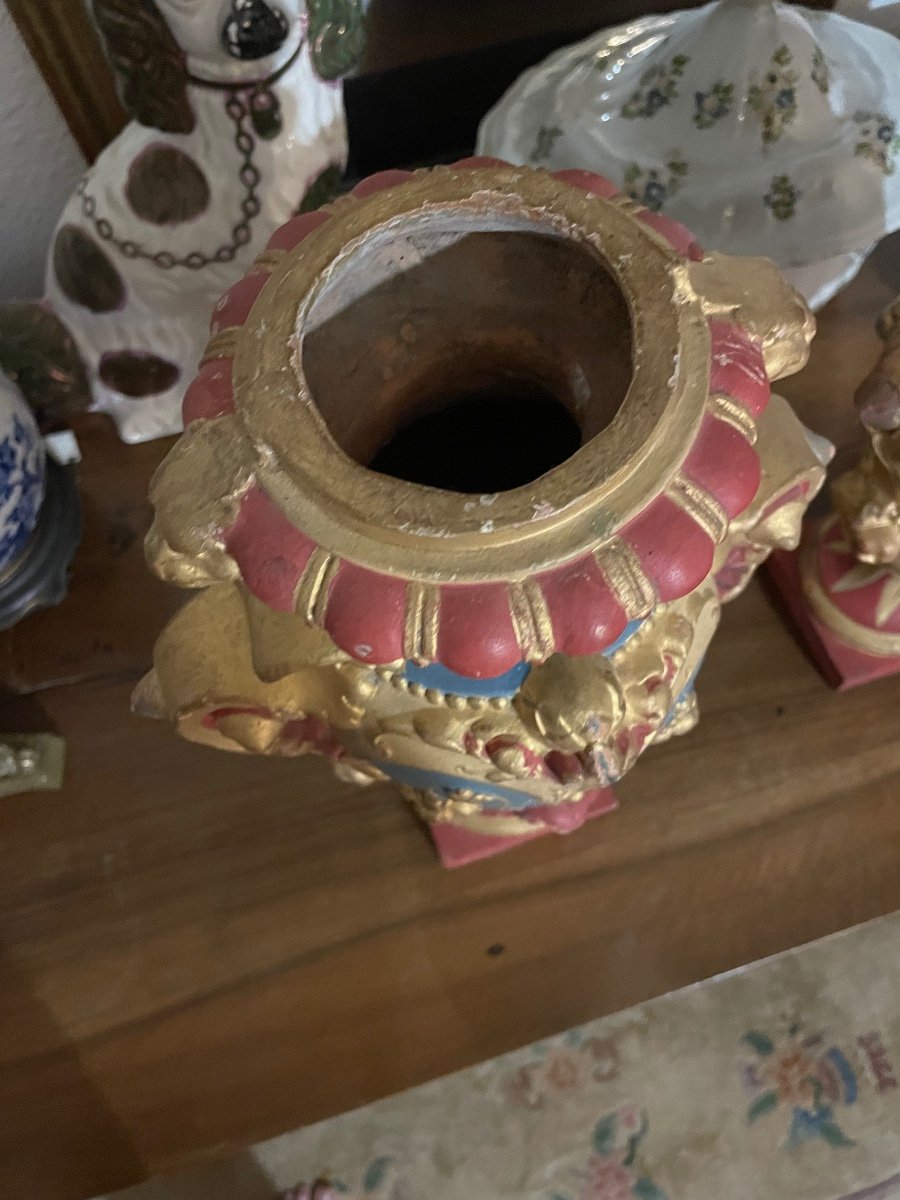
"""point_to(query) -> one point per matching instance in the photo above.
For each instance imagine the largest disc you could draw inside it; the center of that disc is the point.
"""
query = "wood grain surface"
(199, 950)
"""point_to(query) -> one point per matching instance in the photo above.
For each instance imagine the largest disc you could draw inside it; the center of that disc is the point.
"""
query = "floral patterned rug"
(777, 1082)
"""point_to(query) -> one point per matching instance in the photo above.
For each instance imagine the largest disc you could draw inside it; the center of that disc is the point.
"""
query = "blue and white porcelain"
(22, 474)
(766, 128)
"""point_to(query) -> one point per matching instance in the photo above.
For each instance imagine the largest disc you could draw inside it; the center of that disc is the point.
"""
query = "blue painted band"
(437, 676)
(437, 781)
(444, 680)
(630, 629)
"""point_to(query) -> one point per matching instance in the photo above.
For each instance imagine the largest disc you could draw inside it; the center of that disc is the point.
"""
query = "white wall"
(39, 166)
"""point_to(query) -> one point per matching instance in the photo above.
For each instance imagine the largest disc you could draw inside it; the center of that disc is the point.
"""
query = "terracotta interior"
(454, 353)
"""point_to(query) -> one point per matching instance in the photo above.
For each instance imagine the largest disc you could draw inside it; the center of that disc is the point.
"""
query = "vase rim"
(417, 531)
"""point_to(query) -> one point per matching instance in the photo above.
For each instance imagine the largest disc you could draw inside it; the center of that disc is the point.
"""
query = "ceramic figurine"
(766, 128)
(843, 585)
(471, 462)
(237, 123)
(40, 516)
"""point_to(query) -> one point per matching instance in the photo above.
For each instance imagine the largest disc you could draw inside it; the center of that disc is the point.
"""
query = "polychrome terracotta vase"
(472, 460)
(843, 585)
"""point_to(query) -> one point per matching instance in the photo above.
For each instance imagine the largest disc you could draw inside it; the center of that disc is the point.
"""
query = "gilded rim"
(367, 517)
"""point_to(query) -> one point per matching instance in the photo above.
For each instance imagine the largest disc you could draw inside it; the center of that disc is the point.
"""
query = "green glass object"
(336, 35)
(39, 355)
(322, 189)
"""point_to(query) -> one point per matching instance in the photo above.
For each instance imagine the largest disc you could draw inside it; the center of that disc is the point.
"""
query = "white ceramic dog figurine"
(237, 123)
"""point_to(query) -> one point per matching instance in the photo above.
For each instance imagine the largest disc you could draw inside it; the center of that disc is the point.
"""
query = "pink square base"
(459, 847)
(842, 666)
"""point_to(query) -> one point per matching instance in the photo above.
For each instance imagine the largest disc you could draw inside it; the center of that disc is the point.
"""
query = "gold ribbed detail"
(623, 572)
(421, 623)
(339, 203)
(531, 620)
(311, 597)
(733, 414)
(700, 506)
(268, 260)
(626, 203)
(221, 344)
(541, 617)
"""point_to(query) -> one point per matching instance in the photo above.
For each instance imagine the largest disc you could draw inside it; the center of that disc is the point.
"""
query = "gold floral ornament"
(851, 572)
(502, 655)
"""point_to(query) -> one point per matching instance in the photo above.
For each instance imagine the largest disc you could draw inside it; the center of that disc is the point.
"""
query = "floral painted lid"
(765, 128)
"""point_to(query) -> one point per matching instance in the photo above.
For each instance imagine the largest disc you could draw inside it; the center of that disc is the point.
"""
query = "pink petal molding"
(364, 611)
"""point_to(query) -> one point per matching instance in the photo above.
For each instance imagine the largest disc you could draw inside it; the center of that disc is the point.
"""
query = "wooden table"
(200, 950)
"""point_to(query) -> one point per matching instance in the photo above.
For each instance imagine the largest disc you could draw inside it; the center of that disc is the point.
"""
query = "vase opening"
(483, 439)
(466, 351)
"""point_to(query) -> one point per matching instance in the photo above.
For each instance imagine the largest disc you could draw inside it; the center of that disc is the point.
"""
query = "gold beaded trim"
(435, 696)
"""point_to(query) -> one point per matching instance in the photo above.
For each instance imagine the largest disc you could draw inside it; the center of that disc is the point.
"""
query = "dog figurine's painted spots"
(237, 123)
